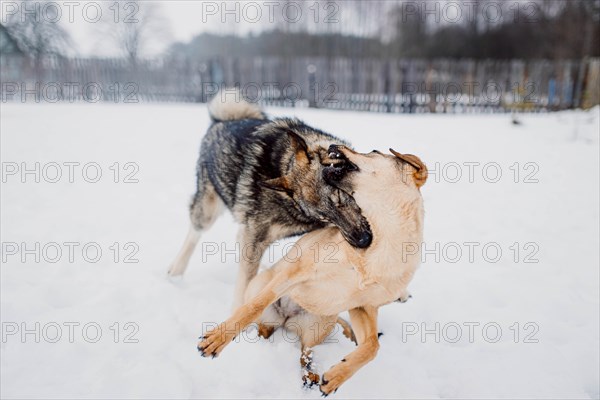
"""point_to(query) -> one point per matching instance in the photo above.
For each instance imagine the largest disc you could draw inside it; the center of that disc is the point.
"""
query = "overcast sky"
(89, 21)
(183, 19)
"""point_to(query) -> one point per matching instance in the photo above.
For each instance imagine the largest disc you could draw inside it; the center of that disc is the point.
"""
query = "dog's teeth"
(331, 165)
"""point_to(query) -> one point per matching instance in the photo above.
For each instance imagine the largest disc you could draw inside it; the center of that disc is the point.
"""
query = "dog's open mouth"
(337, 159)
(337, 167)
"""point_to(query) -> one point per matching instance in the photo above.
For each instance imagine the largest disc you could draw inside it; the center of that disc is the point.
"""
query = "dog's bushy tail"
(230, 105)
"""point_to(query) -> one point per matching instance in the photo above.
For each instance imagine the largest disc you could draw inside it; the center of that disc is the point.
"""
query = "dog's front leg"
(252, 246)
(215, 340)
(364, 323)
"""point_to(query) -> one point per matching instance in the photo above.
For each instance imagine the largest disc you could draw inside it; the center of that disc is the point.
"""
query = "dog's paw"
(174, 279)
(310, 379)
(214, 341)
(265, 331)
(176, 271)
(333, 379)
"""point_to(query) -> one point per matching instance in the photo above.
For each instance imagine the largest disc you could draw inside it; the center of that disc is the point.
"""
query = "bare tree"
(137, 28)
(38, 34)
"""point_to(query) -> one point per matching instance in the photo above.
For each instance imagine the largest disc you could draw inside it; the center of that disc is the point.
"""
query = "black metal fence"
(396, 86)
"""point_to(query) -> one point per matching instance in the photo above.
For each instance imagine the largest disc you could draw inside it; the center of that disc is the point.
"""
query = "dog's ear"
(280, 184)
(420, 175)
(299, 146)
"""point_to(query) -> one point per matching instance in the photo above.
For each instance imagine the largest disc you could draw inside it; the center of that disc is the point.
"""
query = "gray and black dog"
(268, 173)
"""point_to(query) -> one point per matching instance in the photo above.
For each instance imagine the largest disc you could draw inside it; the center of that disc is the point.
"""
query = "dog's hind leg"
(179, 265)
(205, 208)
(309, 376)
(364, 323)
(312, 330)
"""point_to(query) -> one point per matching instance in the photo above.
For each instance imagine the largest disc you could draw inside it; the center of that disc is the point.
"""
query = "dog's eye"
(375, 151)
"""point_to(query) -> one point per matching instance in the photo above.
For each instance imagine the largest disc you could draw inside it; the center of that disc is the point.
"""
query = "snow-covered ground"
(528, 318)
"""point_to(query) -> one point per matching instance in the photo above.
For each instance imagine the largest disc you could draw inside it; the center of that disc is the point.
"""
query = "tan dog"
(309, 289)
